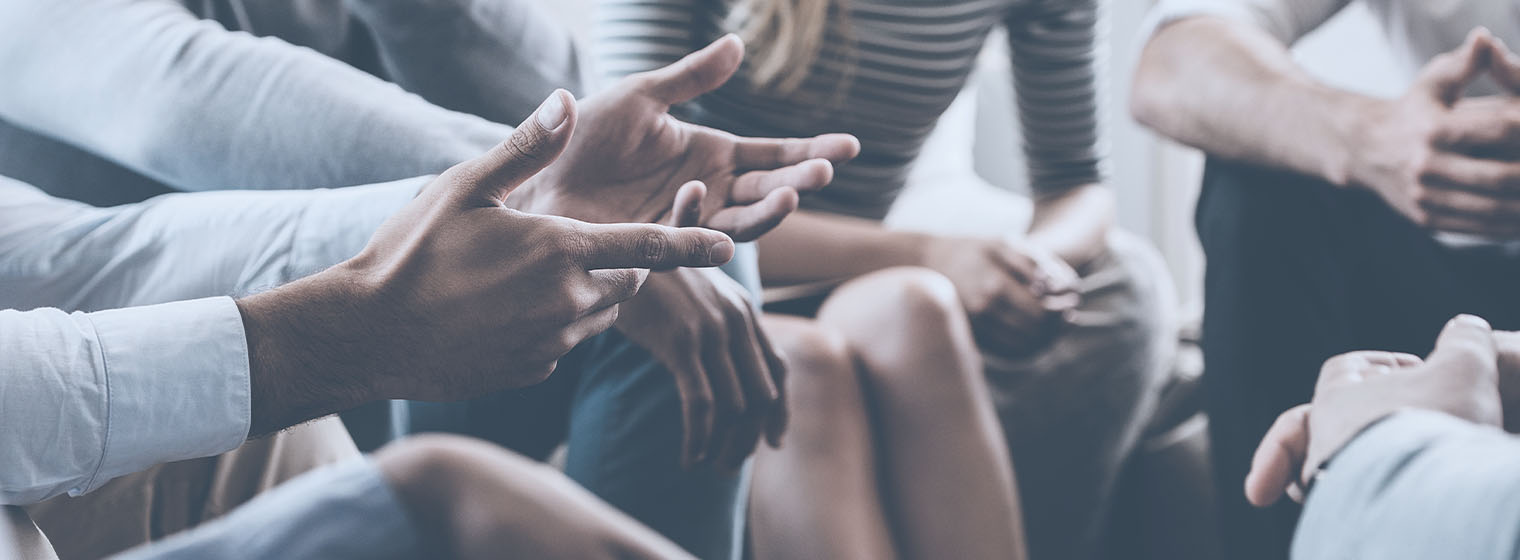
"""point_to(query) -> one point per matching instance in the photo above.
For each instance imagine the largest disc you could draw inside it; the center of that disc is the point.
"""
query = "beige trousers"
(168, 498)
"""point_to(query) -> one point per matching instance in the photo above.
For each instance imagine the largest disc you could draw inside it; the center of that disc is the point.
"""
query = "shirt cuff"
(176, 384)
(337, 223)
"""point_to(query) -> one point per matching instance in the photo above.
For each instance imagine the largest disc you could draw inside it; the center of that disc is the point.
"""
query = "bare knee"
(821, 368)
(904, 296)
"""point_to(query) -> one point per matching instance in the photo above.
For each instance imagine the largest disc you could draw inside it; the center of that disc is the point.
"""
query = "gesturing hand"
(1014, 292)
(1459, 378)
(630, 151)
(456, 295)
(1446, 163)
(701, 326)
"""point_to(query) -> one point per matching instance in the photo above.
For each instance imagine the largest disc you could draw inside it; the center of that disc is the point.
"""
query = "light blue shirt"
(89, 392)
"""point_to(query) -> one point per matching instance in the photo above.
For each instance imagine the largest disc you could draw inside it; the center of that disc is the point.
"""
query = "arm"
(1231, 88)
(815, 246)
(63, 254)
(1418, 484)
(1056, 50)
(198, 107)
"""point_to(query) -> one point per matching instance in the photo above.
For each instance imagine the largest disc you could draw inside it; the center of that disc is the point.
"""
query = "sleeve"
(87, 397)
(1056, 50)
(1418, 484)
(195, 106)
(492, 58)
(635, 36)
(1287, 20)
(64, 254)
(340, 512)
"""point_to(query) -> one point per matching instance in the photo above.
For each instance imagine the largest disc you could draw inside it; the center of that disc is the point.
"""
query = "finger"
(1446, 75)
(741, 443)
(535, 144)
(686, 211)
(1347, 368)
(1484, 176)
(695, 74)
(1023, 267)
(1466, 340)
(747, 223)
(1279, 458)
(651, 246)
(771, 153)
(728, 396)
(1504, 65)
(697, 413)
(615, 285)
(1480, 123)
(1440, 220)
(780, 415)
(807, 176)
(761, 393)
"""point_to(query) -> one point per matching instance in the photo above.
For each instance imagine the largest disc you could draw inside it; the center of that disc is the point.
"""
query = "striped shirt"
(887, 70)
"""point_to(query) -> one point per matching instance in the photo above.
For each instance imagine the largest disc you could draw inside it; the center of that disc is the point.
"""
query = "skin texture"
(1442, 161)
(473, 500)
(1461, 377)
(456, 295)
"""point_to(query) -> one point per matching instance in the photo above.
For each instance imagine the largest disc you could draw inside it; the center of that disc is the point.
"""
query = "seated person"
(279, 116)
(1403, 457)
(454, 295)
(913, 346)
(1333, 220)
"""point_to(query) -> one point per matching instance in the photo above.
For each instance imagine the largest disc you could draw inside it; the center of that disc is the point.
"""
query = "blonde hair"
(784, 37)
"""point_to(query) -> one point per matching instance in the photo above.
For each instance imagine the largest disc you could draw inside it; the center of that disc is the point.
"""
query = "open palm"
(629, 155)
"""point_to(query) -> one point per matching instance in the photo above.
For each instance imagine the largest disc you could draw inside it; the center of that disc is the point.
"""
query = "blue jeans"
(619, 413)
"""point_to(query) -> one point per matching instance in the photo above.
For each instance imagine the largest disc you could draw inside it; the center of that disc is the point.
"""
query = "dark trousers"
(1299, 271)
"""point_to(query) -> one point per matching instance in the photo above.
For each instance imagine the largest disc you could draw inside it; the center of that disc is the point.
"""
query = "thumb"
(1467, 342)
(1446, 75)
(696, 74)
(535, 144)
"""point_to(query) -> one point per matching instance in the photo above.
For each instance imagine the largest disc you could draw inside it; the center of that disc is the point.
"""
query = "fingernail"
(721, 252)
(552, 113)
(1471, 321)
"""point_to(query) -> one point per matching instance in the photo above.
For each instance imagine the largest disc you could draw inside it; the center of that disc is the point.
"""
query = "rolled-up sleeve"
(87, 397)
(1287, 20)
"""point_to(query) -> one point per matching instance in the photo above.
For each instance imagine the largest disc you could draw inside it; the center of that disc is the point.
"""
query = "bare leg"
(475, 500)
(816, 496)
(946, 473)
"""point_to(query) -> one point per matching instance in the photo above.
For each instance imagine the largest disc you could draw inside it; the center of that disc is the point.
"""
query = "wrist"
(1358, 129)
(307, 350)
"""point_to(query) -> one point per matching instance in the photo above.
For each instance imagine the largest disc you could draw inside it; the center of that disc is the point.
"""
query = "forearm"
(814, 246)
(198, 107)
(68, 255)
(1234, 91)
(1418, 484)
(1074, 225)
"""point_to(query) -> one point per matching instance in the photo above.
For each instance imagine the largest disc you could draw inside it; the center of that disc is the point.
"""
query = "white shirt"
(102, 392)
(1418, 30)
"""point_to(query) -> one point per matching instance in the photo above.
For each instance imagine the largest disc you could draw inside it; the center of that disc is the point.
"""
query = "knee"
(821, 370)
(912, 297)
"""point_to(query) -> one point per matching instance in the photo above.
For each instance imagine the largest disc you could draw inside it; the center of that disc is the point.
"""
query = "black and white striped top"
(887, 70)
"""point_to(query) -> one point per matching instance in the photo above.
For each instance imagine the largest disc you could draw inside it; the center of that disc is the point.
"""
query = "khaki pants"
(152, 504)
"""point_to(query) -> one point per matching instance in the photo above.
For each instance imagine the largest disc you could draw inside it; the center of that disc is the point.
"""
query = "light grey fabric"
(1418, 484)
(1074, 411)
(345, 511)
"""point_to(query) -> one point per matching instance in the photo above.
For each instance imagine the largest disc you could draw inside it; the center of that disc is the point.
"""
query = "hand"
(701, 326)
(630, 151)
(1459, 378)
(477, 500)
(455, 295)
(1014, 292)
(1448, 164)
